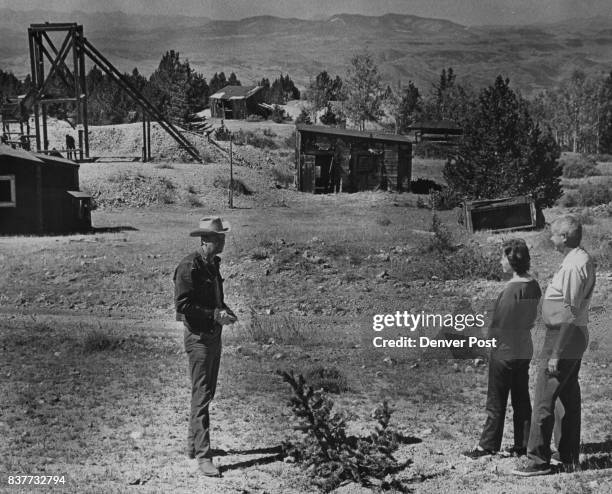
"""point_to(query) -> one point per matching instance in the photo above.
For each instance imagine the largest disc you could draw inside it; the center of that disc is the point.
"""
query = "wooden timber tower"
(68, 64)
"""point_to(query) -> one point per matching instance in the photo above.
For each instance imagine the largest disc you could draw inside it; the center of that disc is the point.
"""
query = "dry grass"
(118, 413)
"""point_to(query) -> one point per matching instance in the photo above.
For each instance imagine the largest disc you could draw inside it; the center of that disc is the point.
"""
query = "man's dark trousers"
(204, 353)
(563, 385)
(507, 376)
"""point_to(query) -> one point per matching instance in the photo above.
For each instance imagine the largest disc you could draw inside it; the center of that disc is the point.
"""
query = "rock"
(278, 356)
(434, 278)
(137, 434)
(383, 275)
(478, 362)
(415, 365)
(269, 311)
(239, 349)
(389, 361)
(352, 488)
(456, 368)
(425, 432)
(469, 369)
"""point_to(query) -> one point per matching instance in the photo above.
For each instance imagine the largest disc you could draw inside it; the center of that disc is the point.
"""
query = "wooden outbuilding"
(330, 159)
(40, 194)
(236, 102)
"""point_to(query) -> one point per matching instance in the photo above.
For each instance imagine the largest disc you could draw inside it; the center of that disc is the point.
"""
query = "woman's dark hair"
(517, 252)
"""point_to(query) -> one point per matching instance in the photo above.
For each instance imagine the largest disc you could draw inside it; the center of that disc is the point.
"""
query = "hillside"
(407, 47)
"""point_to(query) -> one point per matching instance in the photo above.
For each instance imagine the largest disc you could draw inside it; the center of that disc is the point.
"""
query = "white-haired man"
(198, 297)
(565, 313)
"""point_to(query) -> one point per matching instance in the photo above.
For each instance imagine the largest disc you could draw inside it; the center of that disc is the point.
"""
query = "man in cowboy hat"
(198, 297)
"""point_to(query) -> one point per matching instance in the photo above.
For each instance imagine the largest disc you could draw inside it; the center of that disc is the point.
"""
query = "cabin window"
(7, 191)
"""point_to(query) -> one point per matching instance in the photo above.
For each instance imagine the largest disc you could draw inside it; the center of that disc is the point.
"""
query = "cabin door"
(323, 173)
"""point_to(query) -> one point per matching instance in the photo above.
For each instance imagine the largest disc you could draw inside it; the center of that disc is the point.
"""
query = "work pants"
(507, 377)
(204, 355)
(563, 385)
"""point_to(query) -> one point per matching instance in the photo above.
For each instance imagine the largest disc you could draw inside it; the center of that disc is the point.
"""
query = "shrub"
(444, 199)
(329, 379)
(259, 254)
(237, 185)
(282, 177)
(243, 137)
(442, 240)
(578, 166)
(280, 329)
(569, 199)
(424, 186)
(383, 221)
(594, 194)
(328, 453)
(99, 341)
(278, 115)
(194, 201)
(222, 133)
(303, 117)
(448, 261)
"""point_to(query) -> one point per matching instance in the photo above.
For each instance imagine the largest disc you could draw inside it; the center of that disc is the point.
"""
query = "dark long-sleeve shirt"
(514, 315)
(198, 291)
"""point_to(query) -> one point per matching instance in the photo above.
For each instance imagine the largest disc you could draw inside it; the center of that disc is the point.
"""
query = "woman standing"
(514, 315)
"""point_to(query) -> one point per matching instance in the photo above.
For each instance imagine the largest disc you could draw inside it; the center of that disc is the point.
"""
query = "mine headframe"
(67, 62)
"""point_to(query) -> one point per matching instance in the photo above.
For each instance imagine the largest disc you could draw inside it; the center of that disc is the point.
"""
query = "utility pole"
(231, 182)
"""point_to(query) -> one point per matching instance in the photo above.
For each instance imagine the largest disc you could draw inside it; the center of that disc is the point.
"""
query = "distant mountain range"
(406, 47)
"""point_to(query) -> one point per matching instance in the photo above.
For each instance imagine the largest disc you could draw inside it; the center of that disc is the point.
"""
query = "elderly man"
(565, 313)
(198, 297)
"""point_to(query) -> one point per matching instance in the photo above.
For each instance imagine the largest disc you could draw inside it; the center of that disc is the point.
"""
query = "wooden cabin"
(236, 102)
(40, 194)
(330, 159)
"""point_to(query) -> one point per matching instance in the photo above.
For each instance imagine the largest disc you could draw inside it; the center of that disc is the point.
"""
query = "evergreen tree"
(503, 153)
(410, 107)
(265, 84)
(448, 99)
(303, 117)
(178, 89)
(233, 80)
(10, 86)
(217, 82)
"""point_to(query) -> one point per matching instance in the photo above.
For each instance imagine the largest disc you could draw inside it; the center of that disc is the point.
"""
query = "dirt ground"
(94, 378)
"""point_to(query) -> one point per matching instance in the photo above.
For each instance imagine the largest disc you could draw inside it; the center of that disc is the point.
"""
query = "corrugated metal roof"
(235, 92)
(377, 136)
(21, 154)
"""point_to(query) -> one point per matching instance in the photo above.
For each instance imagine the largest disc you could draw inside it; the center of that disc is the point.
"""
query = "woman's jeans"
(507, 377)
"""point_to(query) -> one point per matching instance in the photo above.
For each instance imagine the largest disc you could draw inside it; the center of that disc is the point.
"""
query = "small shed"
(40, 194)
(330, 159)
(236, 102)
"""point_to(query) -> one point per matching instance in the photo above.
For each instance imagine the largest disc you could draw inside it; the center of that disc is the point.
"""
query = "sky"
(467, 12)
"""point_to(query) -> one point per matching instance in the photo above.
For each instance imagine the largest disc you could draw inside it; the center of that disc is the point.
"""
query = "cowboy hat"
(210, 225)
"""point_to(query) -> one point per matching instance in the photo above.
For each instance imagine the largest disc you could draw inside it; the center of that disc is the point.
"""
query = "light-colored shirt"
(568, 296)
